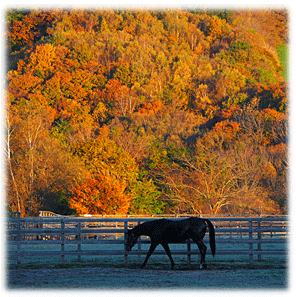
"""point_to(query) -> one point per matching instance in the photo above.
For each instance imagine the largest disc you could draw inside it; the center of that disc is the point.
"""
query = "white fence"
(255, 233)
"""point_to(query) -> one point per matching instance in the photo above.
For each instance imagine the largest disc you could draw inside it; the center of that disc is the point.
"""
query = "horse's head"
(131, 239)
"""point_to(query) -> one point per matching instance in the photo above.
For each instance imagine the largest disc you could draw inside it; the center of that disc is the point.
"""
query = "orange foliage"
(273, 115)
(29, 28)
(279, 150)
(268, 171)
(228, 112)
(227, 128)
(195, 73)
(114, 89)
(273, 96)
(100, 195)
(22, 85)
(151, 108)
(216, 28)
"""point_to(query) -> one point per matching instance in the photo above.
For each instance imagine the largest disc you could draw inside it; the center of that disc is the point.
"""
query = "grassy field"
(150, 278)
(108, 272)
(284, 57)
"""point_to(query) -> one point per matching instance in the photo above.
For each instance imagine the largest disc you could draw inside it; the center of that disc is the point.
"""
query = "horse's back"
(192, 222)
(196, 221)
(172, 231)
(175, 226)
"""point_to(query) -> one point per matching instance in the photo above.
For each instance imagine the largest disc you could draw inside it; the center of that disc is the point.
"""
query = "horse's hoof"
(203, 266)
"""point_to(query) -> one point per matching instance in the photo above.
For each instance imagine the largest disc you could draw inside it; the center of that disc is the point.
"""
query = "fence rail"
(61, 231)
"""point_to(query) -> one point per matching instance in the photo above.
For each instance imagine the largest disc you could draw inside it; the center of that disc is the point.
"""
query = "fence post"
(116, 234)
(40, 237)
(250, 244)
(125, 240)
(139, 247)
(18, 238)
(63, 240)
(259, 239)
(79, 240)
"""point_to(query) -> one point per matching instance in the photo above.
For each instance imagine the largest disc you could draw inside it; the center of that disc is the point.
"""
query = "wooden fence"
(255, 233)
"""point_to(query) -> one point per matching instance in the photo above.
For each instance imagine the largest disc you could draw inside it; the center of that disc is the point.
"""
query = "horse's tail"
(212, 237)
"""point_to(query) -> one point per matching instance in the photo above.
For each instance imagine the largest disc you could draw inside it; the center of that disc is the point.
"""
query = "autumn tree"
(252, 195)
(219, 182)
(40, 165)
(193, 105)
(10, 175)
(30, 124)
(120, 97)
(201, 183)
(26, 28)
(105, 159)
(100, 195)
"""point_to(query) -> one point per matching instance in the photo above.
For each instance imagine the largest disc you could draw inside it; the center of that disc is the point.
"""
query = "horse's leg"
(197, 236)
(203, 249)
(168, 251)
(151, 250)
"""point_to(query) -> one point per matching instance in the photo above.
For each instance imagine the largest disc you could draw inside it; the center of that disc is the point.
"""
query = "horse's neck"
(141, 230)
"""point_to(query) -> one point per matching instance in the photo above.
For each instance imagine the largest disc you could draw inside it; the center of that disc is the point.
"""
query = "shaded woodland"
(145, 111)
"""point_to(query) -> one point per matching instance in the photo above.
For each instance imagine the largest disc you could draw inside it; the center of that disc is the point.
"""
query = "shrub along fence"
(255, 233)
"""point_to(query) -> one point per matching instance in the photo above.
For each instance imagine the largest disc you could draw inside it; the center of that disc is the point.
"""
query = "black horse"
(165, 231)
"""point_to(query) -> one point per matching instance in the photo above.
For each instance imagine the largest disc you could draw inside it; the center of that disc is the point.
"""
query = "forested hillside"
(145, 111)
